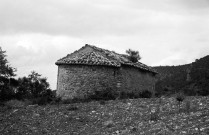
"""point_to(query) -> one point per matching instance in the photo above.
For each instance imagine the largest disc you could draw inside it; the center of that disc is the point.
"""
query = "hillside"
(168, 71)
(192, 79)
(114, 117)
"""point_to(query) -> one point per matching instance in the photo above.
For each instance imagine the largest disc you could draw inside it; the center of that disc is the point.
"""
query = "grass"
(134, 117)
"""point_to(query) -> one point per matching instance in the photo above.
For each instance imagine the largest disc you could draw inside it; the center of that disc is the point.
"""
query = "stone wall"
(136, 80)
(81, 80)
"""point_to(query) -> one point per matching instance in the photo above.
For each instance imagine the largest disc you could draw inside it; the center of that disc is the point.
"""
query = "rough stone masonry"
(92, 69)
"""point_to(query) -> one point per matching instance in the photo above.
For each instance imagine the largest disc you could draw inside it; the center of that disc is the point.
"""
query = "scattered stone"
(108, 123)
(32, 106)
(36, 114)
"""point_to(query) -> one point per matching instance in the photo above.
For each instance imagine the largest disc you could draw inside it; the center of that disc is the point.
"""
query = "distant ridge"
(192, 79)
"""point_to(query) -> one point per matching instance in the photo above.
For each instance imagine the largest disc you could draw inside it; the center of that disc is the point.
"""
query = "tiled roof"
(100, 56)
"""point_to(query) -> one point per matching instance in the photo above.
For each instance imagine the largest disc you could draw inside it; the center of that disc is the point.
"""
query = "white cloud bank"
(37, 33)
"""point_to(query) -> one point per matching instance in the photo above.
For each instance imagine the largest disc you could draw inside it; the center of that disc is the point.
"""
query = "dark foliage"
(145, 94)
(133, 55)
(5, 69)
(132, 95)
(46, 98)
(75, 100)
(39, 101)
(180, 97)
(128, 95)
(55, 99)
(33, 86)
(7, 83)
(191, 79)
(6, 91)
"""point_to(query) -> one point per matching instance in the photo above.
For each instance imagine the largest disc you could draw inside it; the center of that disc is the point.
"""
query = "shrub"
(56, 100)
(39, 101)
(74, 100)
(123, 95)
(133, 55)
(145, 94)
(2, 103)
(180, 98)
(130, 95)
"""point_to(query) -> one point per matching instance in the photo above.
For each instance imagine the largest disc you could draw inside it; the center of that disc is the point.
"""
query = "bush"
(180, 98)
(2, 103)
(39, 101)
(145, 94)
(48, 97)
(74, 100)
(56, 100)
(129, 95)
(123, 95)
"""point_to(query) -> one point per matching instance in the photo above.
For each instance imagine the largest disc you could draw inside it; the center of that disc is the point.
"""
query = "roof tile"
(101, 56)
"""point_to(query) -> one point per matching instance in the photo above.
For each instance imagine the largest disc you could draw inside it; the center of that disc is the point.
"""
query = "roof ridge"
(101, 57)
(98, 48)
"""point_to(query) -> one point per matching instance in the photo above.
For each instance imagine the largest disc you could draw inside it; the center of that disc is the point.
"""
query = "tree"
(33, 86)
(6, 72)
(38, 85)
(5, 69)
(23, 88)
(133, 55)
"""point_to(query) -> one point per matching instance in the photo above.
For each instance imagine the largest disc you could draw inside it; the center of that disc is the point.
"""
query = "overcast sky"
(36, 33)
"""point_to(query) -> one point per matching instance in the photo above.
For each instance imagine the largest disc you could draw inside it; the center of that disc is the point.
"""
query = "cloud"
(74, 18)
(38, 52)
(93, 18)
(37, 33)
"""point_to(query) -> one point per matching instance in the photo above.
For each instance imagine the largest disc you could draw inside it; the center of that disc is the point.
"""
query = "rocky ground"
(120, 117)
